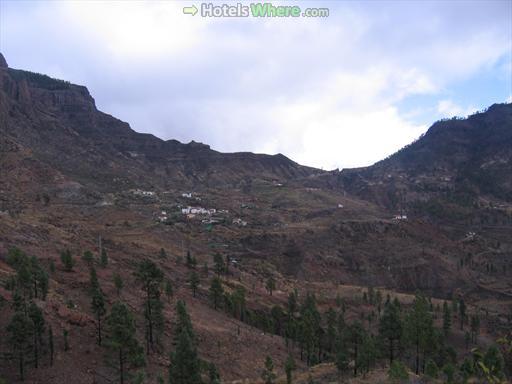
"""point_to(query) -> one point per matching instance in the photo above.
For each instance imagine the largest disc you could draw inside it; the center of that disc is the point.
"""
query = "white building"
(198, 211)
(143, 193)
(239, 222)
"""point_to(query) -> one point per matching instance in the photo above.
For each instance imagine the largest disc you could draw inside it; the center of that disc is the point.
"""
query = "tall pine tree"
(121, 339)
(185, 365)
(390, 329)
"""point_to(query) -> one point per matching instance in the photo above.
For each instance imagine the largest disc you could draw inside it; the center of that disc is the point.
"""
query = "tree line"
(402, 336)
(30, 337)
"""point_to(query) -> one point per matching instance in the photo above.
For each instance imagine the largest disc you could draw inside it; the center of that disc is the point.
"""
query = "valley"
(425, 229)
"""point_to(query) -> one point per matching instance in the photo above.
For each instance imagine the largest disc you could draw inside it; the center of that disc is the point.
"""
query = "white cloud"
(148, 31)
(447, 109)
(322, 91)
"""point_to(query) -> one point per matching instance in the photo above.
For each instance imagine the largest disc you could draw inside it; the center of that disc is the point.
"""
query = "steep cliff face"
(59, 123)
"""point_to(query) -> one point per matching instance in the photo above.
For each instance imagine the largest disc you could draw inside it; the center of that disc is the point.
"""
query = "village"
(207, 216)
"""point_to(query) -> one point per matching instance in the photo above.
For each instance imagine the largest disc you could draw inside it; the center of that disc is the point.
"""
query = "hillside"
(59, 123)
(74, 178)
(465, 159)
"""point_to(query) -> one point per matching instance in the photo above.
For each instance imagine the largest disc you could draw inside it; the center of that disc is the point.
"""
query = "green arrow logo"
(190, 10)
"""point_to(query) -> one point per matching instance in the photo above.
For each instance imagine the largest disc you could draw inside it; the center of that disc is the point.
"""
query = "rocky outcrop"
(60, 124)
(3, 62)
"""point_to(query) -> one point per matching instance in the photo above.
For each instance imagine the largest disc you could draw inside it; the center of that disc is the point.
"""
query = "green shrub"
(449, 372)
(398, 372)
(431, 369)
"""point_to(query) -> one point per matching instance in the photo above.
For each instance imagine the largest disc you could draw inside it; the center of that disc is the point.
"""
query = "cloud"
(325, 92)
(448, 109)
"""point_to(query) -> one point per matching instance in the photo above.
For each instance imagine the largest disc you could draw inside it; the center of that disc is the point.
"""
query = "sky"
(336, 92)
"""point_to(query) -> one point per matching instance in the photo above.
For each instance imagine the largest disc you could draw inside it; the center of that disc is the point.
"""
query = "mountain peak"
(3, 62)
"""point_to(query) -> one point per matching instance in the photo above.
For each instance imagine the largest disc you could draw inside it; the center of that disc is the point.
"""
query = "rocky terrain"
(435, 217)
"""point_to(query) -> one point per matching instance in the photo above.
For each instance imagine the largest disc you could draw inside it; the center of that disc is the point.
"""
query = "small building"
(240, 222)
(198, 211)
(140, 192)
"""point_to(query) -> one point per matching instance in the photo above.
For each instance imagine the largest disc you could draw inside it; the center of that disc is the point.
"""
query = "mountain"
(465, 158)
(434, 218)
(60, 125)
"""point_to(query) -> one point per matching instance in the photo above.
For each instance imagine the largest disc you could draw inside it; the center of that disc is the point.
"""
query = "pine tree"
(98, 308)
(268, 374)
(449, 371)
(493, 364)
(342, 358)
(277, 316)
(93, 281)
(289, 367)
(191, 261)
(156, 319)
(216, 292)
(150, 277)
(431, 369)
(228, 260)
(50, 344)
(418, 326)
(270, 285)
(475, 327)
(36, 317)
(121, 339)
(455, 307)
(118, 283)
(371, 295)
(213, 374)
(183, 322)
(309, 327)
(378, 301)
(194, 282)
(462, 313)
(87, 257)
(447, 319)
(39, 278)
(338, 300)
(218, 264)
(467, 339)
(357, 335)
(168, 290)
(292, 303)
(331, 329)
(466, 370)
(20, 333)
(398, 372)
(103, 258)
(185, 365)
(67, 260)
(238, 298)
(65, 334)
(368, 352)
(390, 329)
